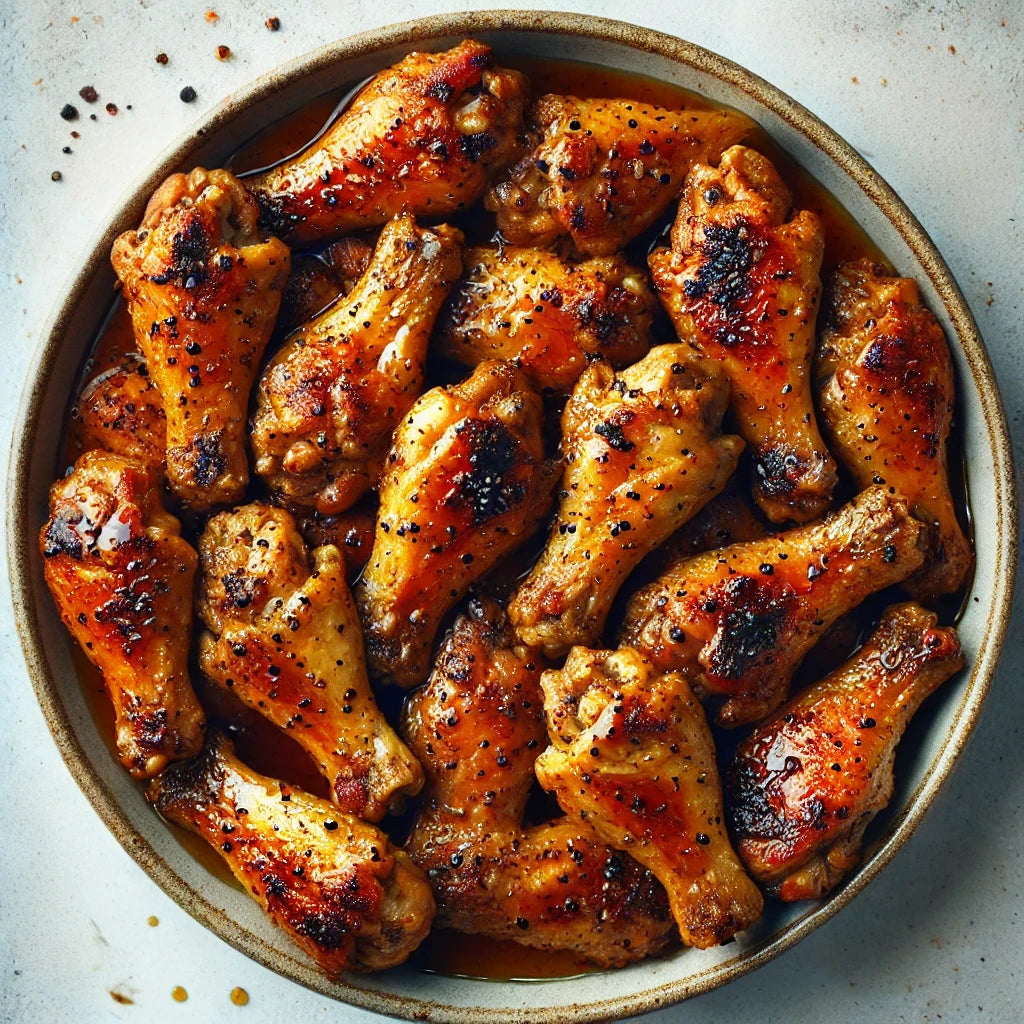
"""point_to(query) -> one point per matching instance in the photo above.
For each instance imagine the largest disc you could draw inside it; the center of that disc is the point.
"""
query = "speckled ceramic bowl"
(939, 734)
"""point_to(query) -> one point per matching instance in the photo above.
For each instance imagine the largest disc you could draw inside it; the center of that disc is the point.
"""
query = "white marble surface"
(932, 94)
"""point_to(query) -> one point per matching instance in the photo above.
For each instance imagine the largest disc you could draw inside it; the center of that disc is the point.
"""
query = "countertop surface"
(931, 93)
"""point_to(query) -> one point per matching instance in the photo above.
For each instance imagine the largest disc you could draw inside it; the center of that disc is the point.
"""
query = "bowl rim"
(423, 31)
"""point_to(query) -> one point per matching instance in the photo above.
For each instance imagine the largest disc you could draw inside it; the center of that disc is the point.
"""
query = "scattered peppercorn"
(273, 24)
(112, 109)
(56, 176)
(89, 93)
(68, 112)
(187, 95)
(223, 52)
(162, 58)
(66, 149)
(92, 117)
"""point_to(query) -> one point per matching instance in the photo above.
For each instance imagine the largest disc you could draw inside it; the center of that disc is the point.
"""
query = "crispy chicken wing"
(331, 397)
(741, 283)
(336, 884)
(886, 387)
(285, 638)
(643, 452)
(738, 621)
(603, 170)
(477, 726)
(423, 136)
(549, 316)
(203, 287)
(463, 486)
(803, 787)
(632, 756)
(121, 576)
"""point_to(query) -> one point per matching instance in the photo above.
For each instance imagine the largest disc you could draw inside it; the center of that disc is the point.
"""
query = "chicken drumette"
(463, 485)
(741, 283)
(643, 452)
(478, 726)
(203, 287)
(331, 397)
(632, 757)
(603, 170)
(121, 576)
(886, 388)
(423, 136)
(285, 639)
(336, 884)
(803, 787)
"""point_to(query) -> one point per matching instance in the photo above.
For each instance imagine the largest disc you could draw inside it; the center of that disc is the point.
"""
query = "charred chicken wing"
(478, 726)
(631, 755)
(803, 787)
(121, 576)
(423, 136)
(643, 452)
(285, 639)
(737, 621)
(203, 287)
(741, 283)
(336, 884)
(603, 170)
(463, 486)
(330, 399)
(886, 388)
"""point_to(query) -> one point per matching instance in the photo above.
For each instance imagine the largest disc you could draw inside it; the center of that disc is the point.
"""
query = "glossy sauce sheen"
(260, 744)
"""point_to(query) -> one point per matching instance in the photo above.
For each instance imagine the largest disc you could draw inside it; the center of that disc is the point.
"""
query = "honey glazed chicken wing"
(549, 316)
(285, 639)
(335, 884)
(886, 388)
(423, 136)
(603, 170)
(803, 787)
(478, 726)
(643, 452)
(121, 576)
(463, 487)
(631, 756)
(203, 287)
(331, 397)
(741, 283)
(738, 621)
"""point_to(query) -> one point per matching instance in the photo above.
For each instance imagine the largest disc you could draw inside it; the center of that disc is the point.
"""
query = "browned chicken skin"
(643, 451)
(737, 621)
(331, 397)
(549, 316)
(351, 532)
(803, 787)
(886, 388)
(631, 755)
(336, 884)
(741, 283)
(477, 727)
(463, 486)
(423, 136)
(121, 576)
(603, 170)
(203, 288)
(286, 640)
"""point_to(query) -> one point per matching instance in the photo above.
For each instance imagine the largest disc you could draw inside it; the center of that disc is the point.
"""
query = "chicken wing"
(631, 755)
(741, 282)
(285, 639)
(463, 486)
(203, 287)
(548, 316)
(603, 170)
(803, 787)
(886, 386)
(121, 576)
(738, 621)
(331, 397)
(643, 451)
(351, 532)
(477, 726)
(423, 136)
(339, 888)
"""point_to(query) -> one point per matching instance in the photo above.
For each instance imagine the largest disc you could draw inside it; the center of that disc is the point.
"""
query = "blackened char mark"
(62, 539)
(748, 631)
(208, 460)
(483, 488)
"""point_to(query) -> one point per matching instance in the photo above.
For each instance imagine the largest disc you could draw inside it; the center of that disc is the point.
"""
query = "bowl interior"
(945, 722)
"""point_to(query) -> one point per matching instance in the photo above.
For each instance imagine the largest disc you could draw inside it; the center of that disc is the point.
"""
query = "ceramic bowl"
(938, 737)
